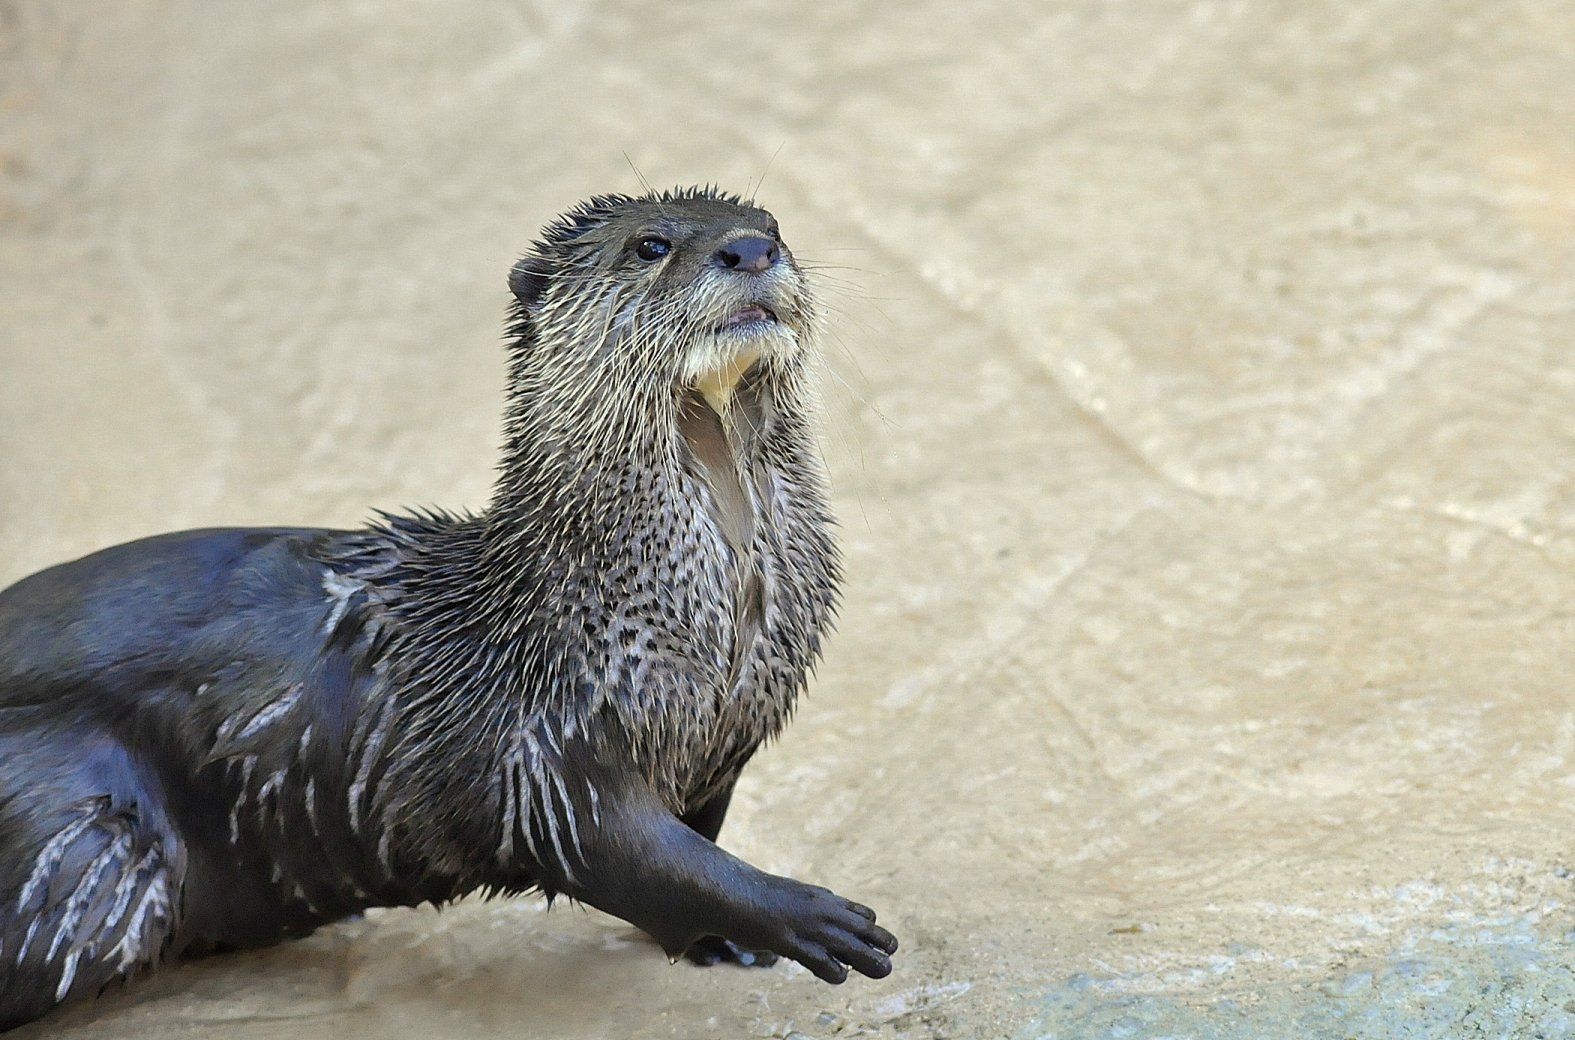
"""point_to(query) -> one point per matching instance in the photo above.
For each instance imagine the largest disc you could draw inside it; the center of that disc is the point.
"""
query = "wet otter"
(219, 739)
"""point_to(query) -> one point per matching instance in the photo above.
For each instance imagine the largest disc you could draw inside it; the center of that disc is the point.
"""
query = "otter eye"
(774, 231)
(651, 249)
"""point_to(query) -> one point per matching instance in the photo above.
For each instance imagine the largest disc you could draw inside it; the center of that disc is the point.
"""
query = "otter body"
(221, 739)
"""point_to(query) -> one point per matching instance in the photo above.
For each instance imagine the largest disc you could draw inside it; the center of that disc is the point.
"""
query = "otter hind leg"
(706, 951)
(91, 901)
(713, 949)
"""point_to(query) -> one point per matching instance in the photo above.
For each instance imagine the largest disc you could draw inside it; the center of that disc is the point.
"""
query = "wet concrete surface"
(1199, 408)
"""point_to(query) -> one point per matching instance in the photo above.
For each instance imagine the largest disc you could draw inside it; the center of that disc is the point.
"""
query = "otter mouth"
(742, 338)
(749, 318)
(717, 385)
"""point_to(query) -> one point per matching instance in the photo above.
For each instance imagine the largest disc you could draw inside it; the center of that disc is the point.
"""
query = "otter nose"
(753, 254)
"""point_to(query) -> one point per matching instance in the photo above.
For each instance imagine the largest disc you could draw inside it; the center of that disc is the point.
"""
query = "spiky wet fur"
(594, 596)
(219, 739)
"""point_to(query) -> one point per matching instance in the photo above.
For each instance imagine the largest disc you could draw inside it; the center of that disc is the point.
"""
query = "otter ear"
(528, 280)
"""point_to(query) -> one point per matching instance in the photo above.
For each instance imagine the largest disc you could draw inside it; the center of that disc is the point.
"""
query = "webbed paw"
(828, 935)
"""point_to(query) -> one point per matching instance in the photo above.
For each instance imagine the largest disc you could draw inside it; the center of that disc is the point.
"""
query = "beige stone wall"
(1201, 411)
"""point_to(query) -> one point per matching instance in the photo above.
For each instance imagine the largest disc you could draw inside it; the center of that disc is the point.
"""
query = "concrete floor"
(1200, 408)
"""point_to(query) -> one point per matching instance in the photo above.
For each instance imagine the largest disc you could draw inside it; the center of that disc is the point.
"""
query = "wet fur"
(220, 739)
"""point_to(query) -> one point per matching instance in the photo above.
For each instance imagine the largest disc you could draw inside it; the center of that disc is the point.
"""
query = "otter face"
(693, 288)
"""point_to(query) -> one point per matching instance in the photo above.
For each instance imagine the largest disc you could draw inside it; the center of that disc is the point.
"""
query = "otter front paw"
(714, 949)
(828, 935)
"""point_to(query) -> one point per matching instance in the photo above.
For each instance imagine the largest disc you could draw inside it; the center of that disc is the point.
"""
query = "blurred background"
(1199, 395)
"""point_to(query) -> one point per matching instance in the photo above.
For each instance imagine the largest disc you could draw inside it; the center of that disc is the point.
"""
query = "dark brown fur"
(218, 739)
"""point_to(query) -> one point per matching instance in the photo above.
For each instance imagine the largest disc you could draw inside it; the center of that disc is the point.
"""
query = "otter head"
(689, 290)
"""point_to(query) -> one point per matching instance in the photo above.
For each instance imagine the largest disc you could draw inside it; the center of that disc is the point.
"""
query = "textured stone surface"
(1201, 410)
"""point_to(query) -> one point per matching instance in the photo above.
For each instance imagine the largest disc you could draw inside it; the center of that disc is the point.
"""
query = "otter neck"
(583, 487)
(718, 444)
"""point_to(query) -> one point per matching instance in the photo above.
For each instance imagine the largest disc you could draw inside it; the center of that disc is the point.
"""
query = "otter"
(221, 739)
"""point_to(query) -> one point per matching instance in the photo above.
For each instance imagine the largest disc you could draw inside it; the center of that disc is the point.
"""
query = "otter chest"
(761, 582)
